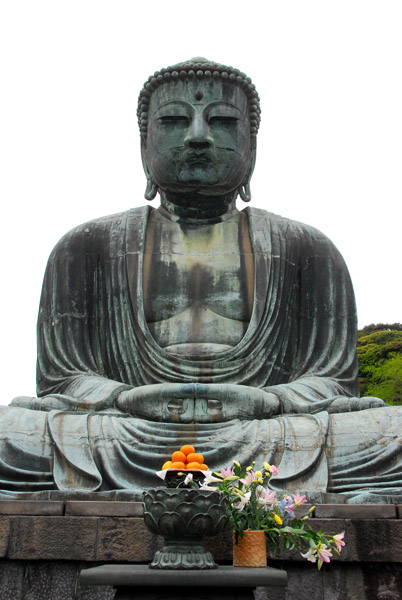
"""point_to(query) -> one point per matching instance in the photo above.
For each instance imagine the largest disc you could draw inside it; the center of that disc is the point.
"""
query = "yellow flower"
(250, 468)
(266, 466)
(260, 480)
(258, 474)
(278, 520)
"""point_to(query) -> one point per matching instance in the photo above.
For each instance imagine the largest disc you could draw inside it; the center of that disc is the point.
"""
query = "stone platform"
(45, 544)
(139, 582)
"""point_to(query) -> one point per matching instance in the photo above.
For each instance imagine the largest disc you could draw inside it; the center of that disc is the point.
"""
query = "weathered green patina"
(184, 517)
(195, 322)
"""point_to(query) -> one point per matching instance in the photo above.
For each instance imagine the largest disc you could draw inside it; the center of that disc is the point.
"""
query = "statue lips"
(198, 167)
(198, 157)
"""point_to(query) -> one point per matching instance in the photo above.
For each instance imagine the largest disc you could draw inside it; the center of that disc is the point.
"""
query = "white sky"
(329, 148)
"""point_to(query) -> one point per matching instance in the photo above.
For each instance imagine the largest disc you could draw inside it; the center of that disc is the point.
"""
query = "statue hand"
(60, 402)
(198, 403)
(344, 404)
(371, 402)
(167, 403)
(225, 402)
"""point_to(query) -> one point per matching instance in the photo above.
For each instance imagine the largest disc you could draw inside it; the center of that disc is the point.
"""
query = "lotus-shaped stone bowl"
(184, 517)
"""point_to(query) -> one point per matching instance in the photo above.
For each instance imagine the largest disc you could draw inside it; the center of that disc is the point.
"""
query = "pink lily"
(248, 479)
(338, 540)
(298, 499)
(265, 496)
(227, 472)
(320, 551)
(273, 470)
(324, 554)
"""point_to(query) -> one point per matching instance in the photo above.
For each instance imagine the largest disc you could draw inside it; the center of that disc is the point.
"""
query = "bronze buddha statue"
(198, 323)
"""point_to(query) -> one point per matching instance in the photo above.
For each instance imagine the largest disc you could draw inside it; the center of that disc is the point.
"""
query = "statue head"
(198, 123)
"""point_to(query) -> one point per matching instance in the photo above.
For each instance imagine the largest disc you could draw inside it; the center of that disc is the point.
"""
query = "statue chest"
(198, 284)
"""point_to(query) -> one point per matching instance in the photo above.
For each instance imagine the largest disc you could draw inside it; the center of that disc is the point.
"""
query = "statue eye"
(173, 120)
(222, 120)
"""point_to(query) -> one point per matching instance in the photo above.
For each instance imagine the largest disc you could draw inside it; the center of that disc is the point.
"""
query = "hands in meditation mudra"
(198, 323)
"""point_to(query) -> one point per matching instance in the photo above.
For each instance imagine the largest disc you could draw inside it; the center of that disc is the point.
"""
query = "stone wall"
(44, 545)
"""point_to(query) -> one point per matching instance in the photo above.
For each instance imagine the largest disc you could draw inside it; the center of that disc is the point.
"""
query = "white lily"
(310, 555)
(242, 501)
(209, 478)
(188, 479)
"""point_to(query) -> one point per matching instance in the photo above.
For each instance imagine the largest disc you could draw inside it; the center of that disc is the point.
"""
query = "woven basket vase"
(251, 550)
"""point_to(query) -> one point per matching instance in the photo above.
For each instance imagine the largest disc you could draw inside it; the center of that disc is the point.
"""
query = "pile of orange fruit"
(187, 459)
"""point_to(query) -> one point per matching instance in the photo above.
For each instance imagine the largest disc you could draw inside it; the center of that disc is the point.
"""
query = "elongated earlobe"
(244, 189)
(151, 189)
(245, 192)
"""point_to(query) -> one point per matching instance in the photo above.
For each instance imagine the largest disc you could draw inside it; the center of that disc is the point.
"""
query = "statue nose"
(198, 135)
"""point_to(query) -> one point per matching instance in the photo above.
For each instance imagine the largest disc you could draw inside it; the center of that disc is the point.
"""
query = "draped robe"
(94, 342)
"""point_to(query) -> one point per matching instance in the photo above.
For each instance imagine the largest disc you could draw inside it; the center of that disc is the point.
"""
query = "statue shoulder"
(96, 235)
(305, 236)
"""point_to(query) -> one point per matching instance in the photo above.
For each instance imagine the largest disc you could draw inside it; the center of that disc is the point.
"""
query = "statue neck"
(198, 208)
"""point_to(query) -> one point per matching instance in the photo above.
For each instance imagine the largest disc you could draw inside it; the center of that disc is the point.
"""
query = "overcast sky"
(329, 147)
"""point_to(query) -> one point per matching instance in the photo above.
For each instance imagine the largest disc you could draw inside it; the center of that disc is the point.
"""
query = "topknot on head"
(202, 69)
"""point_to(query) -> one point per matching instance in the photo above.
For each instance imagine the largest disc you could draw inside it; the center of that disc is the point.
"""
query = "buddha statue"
(195, 322)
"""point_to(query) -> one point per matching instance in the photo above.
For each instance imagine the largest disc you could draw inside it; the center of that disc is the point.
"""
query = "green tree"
(379, 350)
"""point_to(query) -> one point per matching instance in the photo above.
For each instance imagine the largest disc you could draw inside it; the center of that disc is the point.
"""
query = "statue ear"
(244, 189)
(152, 189)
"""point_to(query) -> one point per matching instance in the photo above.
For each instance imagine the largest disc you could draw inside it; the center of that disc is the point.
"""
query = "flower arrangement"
(253, 506)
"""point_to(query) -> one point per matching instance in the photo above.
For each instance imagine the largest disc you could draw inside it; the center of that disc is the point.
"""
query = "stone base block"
(47, 580)
(43, 550)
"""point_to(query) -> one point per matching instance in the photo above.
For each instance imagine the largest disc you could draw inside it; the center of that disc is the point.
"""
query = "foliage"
(253, 506)
(380, 327)
(379, 350)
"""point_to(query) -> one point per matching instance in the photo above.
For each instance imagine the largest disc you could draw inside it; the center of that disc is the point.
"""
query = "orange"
(187, 449)
(193, 465)
(178, 465)
(204, 467)
(195, 457)
(179, 456)
(167, 465)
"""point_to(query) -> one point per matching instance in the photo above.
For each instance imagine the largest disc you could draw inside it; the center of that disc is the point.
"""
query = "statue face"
(198, 137)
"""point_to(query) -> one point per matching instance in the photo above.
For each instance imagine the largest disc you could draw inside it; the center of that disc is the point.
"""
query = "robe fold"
(94, 343)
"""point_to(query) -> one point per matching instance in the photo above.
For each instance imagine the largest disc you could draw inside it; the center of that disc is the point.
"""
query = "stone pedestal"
(142, 583)
(45, 545)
